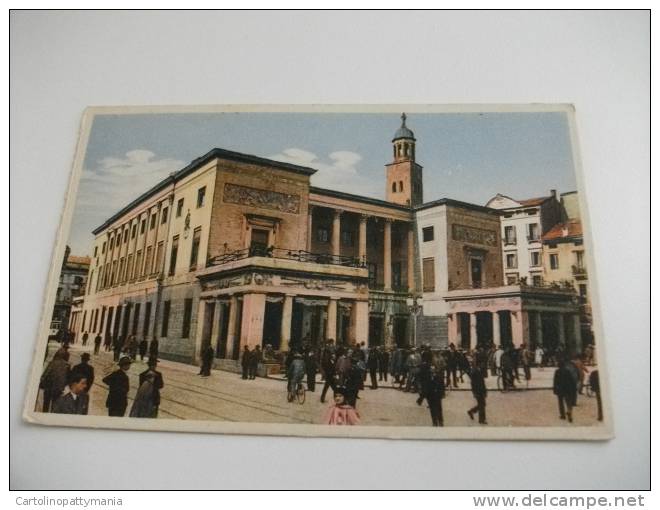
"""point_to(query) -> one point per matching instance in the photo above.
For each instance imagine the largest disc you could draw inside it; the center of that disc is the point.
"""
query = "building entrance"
(272, 325)
(376, 323)
(308, 321)
(400, 326)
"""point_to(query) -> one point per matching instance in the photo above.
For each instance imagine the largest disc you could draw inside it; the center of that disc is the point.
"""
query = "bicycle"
(298, 394)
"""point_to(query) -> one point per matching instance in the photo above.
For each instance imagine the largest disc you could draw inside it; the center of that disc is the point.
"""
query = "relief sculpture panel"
(265, 199)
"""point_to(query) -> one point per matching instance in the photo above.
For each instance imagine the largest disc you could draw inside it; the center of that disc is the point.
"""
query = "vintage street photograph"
(388, 271)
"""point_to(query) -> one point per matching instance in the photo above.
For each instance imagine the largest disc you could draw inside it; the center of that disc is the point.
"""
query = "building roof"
(358, 198)
(457, 203)
(530, 202)
(403, 131)
(564, 231)
(197, 163)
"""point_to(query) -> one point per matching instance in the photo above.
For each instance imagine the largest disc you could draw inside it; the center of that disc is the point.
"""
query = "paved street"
(225, 396)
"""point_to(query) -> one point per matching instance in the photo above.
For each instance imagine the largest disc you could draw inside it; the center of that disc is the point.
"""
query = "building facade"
(523, 224)
(70, 290)
(235, 250)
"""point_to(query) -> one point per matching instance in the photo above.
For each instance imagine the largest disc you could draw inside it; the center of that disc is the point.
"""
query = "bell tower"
(404, 176)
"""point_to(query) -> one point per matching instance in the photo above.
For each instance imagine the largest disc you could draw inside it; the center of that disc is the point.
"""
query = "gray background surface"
(62, 62)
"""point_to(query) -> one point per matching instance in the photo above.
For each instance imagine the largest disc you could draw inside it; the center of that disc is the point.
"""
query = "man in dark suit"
(158, 382)
(434, 391)
(479, 392)
(97, 343)
(85, 369)
(207, 361)
(372, 365)
(565, 387)
(76, 400)
(383, 363)
(245, 361)
(118, 386)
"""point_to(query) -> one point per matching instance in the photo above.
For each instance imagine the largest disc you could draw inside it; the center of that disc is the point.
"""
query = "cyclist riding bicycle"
(295, 374)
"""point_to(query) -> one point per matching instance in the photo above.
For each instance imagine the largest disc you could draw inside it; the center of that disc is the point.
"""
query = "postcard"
(385, 271)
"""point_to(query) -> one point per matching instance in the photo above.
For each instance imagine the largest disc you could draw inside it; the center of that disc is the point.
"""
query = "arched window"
(394, 187)
(400, 185)
(407, 149)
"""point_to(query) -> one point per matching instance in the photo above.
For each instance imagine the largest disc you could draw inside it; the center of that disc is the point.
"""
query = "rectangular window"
(583, 290)
(147, 260)
(122, 267)
(112, 243)
(138, 264)
(129, 267)
(533, 232)
(579, 259)
(136, 319)
(476, 272)
(554, 261)
(166, 318)
(428, 234)
(96, 249)
(179, 208)
(143, 226)
(113, 278)
(103, 248)
(428, 274)
(147, 319)
(102, 319)
(194, 250)
(510, 235)
(89, 282)
(118, 238)
(201, 195)
(396, 275)
(173, 254)
(537, 280)
(511, 261)
(152, 224)
(159, 258)
(187, 313)
(163, 218)
(535, 259)
(125, 236)
(322, 235)
(512, 278)
(134, 231)
(96, 319)
(347, 238)
(373, 274)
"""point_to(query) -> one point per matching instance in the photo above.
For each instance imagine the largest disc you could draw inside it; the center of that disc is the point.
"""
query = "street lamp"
(415, 309)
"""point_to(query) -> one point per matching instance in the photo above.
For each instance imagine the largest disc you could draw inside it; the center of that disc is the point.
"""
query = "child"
(339, 412)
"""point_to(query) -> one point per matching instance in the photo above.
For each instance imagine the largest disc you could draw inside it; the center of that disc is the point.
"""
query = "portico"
(513, 315)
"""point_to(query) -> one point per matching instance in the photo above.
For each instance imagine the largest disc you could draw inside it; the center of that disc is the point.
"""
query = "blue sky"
(467, 156)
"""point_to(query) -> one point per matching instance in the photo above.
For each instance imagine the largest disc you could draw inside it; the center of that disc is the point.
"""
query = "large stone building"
(236, 250)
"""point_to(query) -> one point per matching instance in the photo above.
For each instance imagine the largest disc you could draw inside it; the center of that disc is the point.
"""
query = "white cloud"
(339, 171)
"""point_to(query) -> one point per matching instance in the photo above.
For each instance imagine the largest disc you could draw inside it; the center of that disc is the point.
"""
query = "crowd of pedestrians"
(66, 389)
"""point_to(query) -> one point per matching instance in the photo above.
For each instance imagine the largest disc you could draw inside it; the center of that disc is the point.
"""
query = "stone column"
(497, 339)
(215, 325)
(411, 258)
(336, 232)
(387, 254)
(331, 328)
(517, 328)
(561, 331)
(539, 329)
(362, 241)
(231, 326)
(201, 323)
(577, 331)
(287, 312)
(310, 227)
(252, 323)
(473, 331)
(452, 328)
(360, 320)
